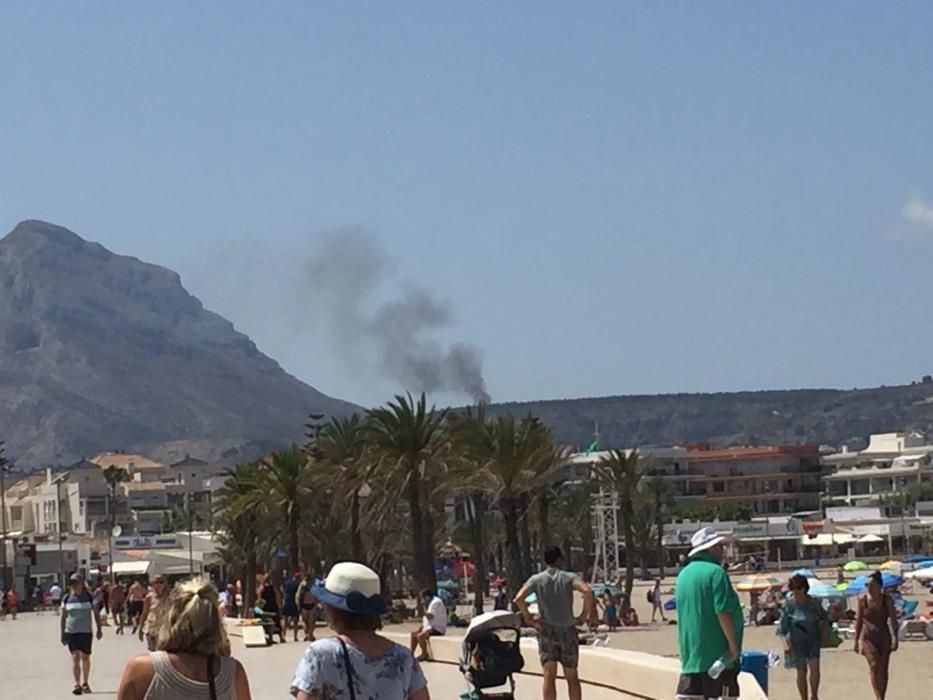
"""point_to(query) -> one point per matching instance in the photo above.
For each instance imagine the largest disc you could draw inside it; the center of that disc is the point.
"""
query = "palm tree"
(471, 457)
(341, 446)
(287, 483)
(240, 508)
(114, 476)
(409, 439)
(620, 473)
(661, 494)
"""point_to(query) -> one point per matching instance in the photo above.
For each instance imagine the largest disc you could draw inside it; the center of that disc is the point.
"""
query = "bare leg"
(549, 671)
(76, 666)
(873, 676)
(414, 642)
(815, 679)
(883, 666)
(86, 667)
(574, 691)
(802, 682)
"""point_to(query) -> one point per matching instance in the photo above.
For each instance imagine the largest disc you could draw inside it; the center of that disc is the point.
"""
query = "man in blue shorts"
(78, 610)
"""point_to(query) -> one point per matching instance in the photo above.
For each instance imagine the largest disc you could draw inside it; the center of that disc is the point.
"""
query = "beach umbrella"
(914, 558)
(924, 574)
(806, 573)
(855, 566)
(891, 565)
(758, 582)
(827, 590)
(599, 590)
(448, 585)
(854, 587)
(670, 604)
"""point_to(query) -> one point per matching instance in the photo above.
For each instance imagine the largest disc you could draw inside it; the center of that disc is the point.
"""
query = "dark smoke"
(344, 273)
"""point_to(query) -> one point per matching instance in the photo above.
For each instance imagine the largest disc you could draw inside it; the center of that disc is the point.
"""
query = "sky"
(611, 197)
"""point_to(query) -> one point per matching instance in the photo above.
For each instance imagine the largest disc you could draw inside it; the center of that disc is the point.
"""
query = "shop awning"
(826, 539)
(870, 538)
(131, 568)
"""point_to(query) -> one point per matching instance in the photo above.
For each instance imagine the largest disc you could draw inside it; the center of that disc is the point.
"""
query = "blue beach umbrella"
(806, 573)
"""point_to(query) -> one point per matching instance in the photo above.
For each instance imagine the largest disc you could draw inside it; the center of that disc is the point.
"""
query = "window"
(718, 487)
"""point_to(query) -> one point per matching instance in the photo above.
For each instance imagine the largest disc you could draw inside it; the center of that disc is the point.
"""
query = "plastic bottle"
(720, 665)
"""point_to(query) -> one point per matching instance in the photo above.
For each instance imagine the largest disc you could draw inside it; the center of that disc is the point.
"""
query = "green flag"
(592, 447)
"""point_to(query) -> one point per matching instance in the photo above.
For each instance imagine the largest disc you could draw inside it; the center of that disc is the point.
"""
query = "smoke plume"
(344, 274)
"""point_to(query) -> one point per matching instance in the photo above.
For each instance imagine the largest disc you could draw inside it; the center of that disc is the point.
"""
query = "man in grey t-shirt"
(556, 624)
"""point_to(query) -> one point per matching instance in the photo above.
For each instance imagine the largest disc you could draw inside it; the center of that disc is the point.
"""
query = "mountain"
(101, 351)
(817, 416)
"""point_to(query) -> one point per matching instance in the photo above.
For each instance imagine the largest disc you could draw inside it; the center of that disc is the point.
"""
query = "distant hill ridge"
(795, 416)
(102, 351)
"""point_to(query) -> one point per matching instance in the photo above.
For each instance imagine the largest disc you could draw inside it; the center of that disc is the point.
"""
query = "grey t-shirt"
(554, 589)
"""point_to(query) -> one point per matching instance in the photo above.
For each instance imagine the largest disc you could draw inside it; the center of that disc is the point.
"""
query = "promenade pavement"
(36, 665)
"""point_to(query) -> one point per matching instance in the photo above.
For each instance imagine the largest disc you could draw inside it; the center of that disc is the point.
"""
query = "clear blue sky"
(617, 197)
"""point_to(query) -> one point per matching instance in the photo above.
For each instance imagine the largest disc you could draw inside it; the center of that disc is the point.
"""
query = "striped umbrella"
(758, 582)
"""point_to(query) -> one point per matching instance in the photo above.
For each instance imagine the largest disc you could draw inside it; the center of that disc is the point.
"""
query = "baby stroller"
(491, 654)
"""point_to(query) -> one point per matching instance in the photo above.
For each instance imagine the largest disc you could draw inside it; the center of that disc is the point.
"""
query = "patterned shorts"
(558, 644)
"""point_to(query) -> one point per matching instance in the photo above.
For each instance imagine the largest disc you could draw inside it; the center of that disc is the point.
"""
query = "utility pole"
(190, 535)
(4, 582)
(59, 530)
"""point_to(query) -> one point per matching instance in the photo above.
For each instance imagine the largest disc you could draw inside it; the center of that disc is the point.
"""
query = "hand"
(733, 651)
(856, 647)
(786, 647)
(579, 620)
(894, 644)
(140, 634)
(100, 633)
(64, 638)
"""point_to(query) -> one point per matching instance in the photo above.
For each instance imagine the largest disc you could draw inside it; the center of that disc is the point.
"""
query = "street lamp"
(57, 483)
(3, 562)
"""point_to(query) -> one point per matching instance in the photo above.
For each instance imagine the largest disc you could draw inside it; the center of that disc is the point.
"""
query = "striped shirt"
(78, 612)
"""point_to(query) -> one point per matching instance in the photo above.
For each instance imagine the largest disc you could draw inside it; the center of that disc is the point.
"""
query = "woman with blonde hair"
(192, 658)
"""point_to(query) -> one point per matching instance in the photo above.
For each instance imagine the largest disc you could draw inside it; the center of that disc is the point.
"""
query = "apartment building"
(770, 479)
(890, 463)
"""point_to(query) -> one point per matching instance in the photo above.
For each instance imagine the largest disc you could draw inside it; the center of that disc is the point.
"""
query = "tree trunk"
(424, 573)
(544, 523)
(429, 544)
(294, 519)
(249, 580)
(356, 537)
(662, 555)
(525, 537)
(513, 552)
(476, 510)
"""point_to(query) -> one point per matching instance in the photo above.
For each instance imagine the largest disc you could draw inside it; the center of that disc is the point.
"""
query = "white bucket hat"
(352, 587)
(703, 539)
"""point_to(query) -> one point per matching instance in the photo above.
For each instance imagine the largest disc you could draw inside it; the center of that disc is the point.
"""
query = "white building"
(890, 463)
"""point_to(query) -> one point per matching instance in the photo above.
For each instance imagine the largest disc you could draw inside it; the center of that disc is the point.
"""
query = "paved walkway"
(33, 664)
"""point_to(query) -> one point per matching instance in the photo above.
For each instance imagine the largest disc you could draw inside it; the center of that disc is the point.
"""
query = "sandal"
(77, 690)
(86, 689)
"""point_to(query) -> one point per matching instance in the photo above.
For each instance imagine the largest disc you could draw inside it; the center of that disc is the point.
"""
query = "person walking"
(433, 624)
(556, 624)
(357, 662)
(151, 616)
(307, 603)
(270, 606)
(799, 627)
(657, 603)
(876, 633)
(56, 594)
(78, 612)
(12, 602)
(191, 660)
(709, 622)
(290, 613)
(118, 606)
(135, 599)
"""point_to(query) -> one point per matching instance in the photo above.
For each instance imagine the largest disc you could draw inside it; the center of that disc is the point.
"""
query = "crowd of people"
(710, 627)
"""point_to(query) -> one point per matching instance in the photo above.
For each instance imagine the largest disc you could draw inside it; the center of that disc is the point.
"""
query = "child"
(611, 618)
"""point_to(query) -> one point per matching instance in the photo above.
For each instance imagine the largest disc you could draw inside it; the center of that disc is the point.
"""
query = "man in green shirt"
(709, 621)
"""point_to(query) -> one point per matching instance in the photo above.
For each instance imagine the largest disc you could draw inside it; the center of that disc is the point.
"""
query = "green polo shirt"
(702, 591)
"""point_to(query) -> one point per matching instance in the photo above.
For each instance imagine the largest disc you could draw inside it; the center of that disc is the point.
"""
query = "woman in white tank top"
(192, 658)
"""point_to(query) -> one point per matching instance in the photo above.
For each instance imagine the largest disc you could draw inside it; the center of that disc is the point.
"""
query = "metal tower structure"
(605, 507)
